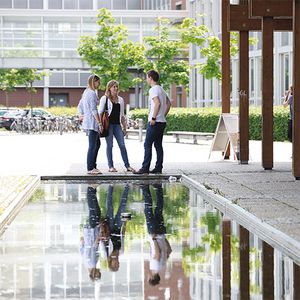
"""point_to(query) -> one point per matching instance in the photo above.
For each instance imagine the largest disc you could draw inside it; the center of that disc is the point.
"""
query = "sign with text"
(227, 133)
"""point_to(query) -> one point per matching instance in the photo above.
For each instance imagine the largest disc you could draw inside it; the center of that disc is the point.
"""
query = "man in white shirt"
(159, 106)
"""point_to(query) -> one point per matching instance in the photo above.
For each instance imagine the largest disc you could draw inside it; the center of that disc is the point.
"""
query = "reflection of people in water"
(160, 248)
(89, 240)
(113, 246)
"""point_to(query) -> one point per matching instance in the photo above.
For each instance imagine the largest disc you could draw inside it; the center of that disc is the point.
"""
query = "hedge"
(206, 120)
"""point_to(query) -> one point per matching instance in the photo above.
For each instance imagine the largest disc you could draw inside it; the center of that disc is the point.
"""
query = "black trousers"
(290, 130)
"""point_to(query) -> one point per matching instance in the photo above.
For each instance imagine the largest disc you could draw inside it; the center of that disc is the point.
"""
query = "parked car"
(9, 116)
(7, 119)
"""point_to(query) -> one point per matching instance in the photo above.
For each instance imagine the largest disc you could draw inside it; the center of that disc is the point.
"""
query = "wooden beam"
(268, 271)
(244, 97)
(267, 93)
(226, 84)
(296, 93)
(226, 259)
(296, 281)
(239, 20)
(244, 264)
(271, 8)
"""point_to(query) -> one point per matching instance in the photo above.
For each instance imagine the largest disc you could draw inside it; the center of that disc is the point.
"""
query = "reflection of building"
(208, 92)
(44, 34)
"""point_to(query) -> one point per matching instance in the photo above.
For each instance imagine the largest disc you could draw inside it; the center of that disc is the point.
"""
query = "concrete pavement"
(272, 196)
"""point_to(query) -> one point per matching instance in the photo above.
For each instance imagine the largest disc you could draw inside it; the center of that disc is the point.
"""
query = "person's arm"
(80, 110)
(286, 99)
(169, 249)
(155, 110)
(168, 106)
(157, 253)
(92, 102)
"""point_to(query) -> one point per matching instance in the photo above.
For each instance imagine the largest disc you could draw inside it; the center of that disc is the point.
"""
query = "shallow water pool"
(156, 240)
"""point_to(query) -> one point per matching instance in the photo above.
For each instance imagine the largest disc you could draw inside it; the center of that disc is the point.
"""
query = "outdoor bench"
(188, 134)
(134, 132)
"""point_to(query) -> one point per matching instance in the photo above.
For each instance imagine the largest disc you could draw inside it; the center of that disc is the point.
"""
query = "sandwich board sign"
(227, 133)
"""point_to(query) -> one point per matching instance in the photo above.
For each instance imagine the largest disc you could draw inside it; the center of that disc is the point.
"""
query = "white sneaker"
(94, 172)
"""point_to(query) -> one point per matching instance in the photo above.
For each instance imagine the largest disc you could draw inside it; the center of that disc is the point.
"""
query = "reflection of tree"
(213, 237)
(211, 243)
(37, 196)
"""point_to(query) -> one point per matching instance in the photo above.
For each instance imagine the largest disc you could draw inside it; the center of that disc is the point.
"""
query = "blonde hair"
(91, 81)
(108, 87)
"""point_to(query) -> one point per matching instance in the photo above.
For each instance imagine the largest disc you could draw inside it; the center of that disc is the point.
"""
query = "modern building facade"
(208, 92)
(44, 34)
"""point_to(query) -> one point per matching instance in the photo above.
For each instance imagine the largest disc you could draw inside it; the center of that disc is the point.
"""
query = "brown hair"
(91, 81)
(154, 75)
(108, 87)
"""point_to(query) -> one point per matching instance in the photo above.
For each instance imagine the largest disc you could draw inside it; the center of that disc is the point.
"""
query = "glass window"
(104, 4)
(70, 4)
(284, 39)
(134, 4)
(85, 4)
(20, 3)
(6, 4)
(71, 79)
(119, 4)
(36, 4)
(56, 79)
(84, 78)
(55, 4)
(131, 23)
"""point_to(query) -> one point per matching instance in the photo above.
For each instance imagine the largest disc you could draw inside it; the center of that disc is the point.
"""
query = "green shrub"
(206, 120)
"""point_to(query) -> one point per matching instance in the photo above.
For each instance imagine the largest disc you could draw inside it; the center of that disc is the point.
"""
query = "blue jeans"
(94, 145)
(154, 135)
(94, 209)
(154, 220)
(115, 130)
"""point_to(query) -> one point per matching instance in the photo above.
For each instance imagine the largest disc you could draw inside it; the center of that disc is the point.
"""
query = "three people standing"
(288, 100)
(159, 106)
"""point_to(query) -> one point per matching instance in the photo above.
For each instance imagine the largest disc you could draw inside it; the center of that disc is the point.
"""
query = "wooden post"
(244, 98)
(296, 95)
(244, 264)
(267, 93)
(226, 82)
(296, 282)
(226, 254)
(268, 272)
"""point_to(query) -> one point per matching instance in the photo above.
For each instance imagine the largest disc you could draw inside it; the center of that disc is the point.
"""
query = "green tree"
(27, 77)
(9, 79)
(210, 46)
(162, 53)
(110, 53)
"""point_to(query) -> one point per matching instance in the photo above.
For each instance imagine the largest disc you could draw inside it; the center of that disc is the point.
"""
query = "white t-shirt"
(157, 91)
(157, 265)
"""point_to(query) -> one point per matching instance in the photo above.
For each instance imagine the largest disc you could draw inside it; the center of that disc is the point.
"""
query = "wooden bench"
(188, 134)
(134, 132)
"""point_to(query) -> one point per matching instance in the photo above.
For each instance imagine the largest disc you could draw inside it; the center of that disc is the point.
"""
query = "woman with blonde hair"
(114, 104)
(87, 108)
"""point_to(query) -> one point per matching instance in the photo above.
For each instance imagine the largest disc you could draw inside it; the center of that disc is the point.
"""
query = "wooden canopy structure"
(266, 16)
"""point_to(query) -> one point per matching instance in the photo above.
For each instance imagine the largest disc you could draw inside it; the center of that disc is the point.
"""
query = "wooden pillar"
(226, 82)
(244, 264)
(244, 98)
(268, 272)
(296, 95)
(226, 261)
(225, 59)
(267, 93)
(296, 282)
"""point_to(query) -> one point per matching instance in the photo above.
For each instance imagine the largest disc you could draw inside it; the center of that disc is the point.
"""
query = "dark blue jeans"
(94, 145)
(155, 221)
(94, 209)
(154, 135)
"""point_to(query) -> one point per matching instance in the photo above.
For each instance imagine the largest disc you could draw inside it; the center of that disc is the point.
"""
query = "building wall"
(21, 97)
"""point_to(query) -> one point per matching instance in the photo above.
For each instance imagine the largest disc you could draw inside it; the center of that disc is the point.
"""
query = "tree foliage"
(109, 52)
(162, 53)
